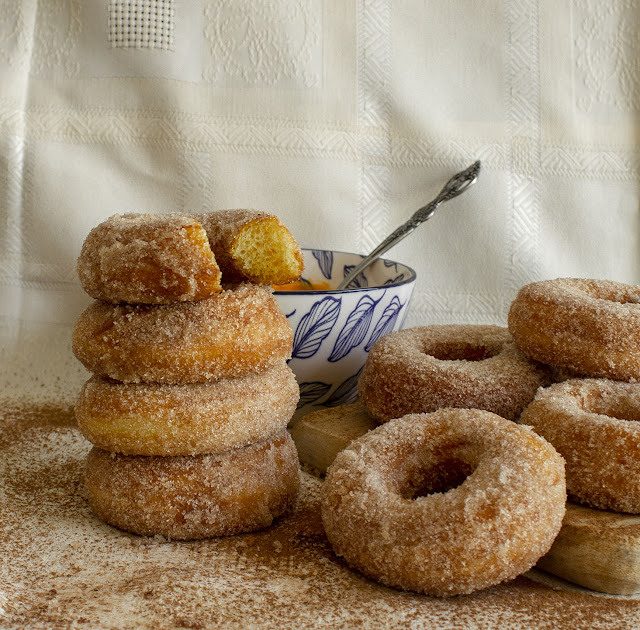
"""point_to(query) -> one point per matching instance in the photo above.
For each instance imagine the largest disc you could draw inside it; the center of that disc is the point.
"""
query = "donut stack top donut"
(148, 259)
(159, 259)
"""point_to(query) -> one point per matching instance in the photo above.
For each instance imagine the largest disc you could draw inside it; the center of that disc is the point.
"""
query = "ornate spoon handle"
(454, 187)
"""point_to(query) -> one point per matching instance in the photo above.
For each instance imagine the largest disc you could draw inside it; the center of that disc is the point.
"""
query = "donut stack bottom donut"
(195, 497)
(185, 385)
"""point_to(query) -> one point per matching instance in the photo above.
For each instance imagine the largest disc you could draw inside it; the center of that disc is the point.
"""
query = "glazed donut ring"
(593, 424)
(444, 503)
(189, 498)
(420, 370)
(236, 332)
(212, 417)
(148, 259)
(589, 326)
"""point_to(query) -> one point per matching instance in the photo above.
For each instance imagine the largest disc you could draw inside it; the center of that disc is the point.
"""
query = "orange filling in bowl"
(302, 285)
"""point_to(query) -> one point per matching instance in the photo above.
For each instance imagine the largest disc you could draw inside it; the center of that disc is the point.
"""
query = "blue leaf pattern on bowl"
(310, 392)
(395, 280)
(355, 328)
(325, 261)
(386, 322)
(345, 393)
(359, 282)
(315, 326)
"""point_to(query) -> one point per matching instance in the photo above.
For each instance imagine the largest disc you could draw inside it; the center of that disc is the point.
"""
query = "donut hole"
(461, 351)
(423, 481)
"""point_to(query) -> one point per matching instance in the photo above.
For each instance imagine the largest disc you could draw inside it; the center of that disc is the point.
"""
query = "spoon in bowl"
(454, 187)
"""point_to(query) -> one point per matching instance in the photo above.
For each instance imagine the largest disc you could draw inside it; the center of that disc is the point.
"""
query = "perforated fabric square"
(141, 24)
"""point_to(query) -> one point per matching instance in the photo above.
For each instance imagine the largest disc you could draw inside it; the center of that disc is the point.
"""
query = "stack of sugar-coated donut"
(447, 497)
(557, 329)
(591, 330)
(191, 393)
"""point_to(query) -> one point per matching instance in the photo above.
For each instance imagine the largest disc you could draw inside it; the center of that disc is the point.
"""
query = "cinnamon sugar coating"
(191, 419)
(444, 503)
(595, 425)
(148, 259)
(238, 331)
(252, 246)
(189, 498)
(423, 369)
(589, 326)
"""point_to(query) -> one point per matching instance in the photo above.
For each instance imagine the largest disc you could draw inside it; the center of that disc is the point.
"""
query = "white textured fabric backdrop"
(340, 117)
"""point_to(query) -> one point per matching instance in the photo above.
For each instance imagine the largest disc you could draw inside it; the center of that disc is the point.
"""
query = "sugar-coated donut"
(238, 331)
(188, 498)
(211, 417)
(444, 503)
(423, 369)
(252, 246)
(589, 326)
(595, 425)
(148, 259)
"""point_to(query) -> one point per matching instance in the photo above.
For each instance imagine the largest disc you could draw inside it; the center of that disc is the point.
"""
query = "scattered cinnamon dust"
(63, 568)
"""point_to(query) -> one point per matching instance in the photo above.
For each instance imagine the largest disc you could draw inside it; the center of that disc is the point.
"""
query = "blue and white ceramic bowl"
(334, 330)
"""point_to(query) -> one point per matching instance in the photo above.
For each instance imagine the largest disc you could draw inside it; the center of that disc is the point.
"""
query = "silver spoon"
(454, 187)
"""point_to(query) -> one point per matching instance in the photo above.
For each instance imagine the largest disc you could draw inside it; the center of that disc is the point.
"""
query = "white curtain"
(340, 117)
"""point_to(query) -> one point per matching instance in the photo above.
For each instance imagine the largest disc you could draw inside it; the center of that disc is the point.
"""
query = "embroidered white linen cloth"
(340, 117)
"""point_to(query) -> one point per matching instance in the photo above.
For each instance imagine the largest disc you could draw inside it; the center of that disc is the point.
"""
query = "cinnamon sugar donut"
(150, 259)
(444, 503)
(238, 331)
(188, 498)
(212, 417)
(589, 326)
(419, 370)
(594, 425)
(252, 246)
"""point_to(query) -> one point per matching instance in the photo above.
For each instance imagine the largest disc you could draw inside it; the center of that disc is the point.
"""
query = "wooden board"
(596, 549)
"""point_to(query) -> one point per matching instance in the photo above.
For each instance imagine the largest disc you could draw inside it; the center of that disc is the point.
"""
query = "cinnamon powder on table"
(64, 568)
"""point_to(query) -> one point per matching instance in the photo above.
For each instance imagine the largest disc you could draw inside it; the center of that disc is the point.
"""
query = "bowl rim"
(412, 276)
